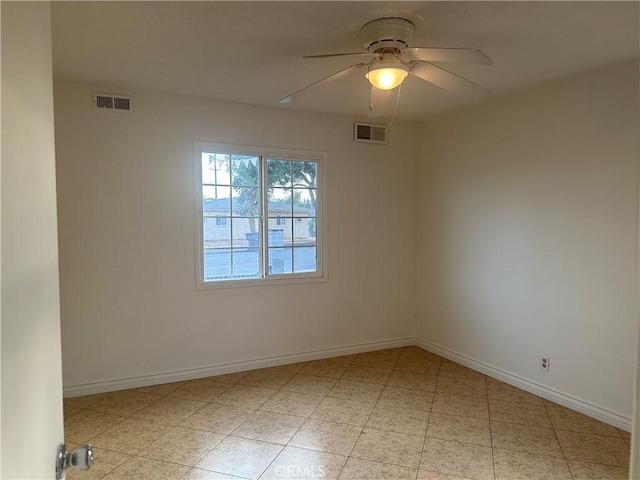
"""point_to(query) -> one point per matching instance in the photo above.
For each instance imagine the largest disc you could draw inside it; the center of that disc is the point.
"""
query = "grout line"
(426, 431)
(555, 434)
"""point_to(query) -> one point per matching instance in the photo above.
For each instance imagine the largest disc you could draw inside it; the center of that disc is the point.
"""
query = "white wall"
(31, 365)
(126, 230)
(528, 235)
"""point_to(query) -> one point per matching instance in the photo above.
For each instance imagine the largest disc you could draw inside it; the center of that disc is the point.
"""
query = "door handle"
(81, 458)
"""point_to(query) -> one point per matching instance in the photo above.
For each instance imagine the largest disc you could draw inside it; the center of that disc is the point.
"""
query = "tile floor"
(392, 414)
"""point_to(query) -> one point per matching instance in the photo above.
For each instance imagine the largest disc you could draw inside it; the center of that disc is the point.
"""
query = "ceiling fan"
(389, 60)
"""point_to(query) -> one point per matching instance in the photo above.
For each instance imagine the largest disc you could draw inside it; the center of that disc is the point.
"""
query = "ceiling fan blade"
(330, 78)
(449, 81)
(449, 55)
(328, 55)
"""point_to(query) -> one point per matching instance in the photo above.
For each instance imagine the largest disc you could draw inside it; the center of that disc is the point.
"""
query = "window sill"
(261, 282)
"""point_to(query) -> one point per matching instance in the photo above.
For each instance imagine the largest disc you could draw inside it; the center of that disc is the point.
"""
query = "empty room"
(320, 240)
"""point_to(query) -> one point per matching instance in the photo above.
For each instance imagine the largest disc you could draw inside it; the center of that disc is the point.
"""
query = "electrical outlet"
(544, 363)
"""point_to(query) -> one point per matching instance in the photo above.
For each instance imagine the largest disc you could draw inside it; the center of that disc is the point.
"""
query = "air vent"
(113, 102)
(369, 133)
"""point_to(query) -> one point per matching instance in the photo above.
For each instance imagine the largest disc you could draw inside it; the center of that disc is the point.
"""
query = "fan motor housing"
(387, 33)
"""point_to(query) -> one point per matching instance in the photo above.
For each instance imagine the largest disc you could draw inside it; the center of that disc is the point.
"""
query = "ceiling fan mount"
(388, 53)
(387, 33)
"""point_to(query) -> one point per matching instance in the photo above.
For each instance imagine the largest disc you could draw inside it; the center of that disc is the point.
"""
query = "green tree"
(244, 179)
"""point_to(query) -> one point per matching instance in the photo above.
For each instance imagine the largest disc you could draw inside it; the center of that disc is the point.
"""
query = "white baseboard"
(191, 374)
(599, 413)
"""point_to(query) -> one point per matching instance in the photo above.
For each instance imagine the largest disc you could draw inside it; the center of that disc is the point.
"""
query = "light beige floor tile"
(324, 368)
(241, 457)
(417, 353)
(169, 410)
(163, 389)
(431, 475)
(84, 425)
(399, 420)
(460, 386)
(344, 359)
(104, 462)
(525, 438)
(244, 396)
(217, 418)
(270, 427)
(564, 419)
(266, 378)
(200, 474)
(521, 413)
(137, 468)
(292, 403)
(357, 391)
(79, 403)
(303, 464)
(289, 367)
(451, 369)
(358, 469)
(625, 435)
(412, 365)
(310, 384)
(182, 445)
(376, 359)
(511, 465)
(327, 437)
(417, 381)
(388, 447)
(199, 390)
(342, 411)
(130, 436)
(406, 398)
(229, 378)
(586, 447)
(360, 373)
(458, 459)
(124, 403)
(459, 429)
(392, 352)
(501, 391)
(461, 405)
(595, 471)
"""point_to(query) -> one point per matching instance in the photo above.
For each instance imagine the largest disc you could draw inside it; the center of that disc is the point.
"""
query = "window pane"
(279, 202)
(242, 229)
(304, 231)
(246, 201)
(246, 262)
(215, 201)
(215, 235)
(304, 174)
(215, 168)
(278, 173)
(244, 171)
(217, 264)
(304, 202)
(304, 259)
(279, 260)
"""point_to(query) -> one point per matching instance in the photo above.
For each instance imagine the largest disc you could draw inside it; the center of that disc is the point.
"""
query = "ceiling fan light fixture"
(387, 77)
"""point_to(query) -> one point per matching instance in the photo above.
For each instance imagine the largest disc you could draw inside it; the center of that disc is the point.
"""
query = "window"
(269, 203)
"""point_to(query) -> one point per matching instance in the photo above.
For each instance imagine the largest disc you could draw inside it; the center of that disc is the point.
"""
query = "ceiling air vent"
(113, 102)
(369, 133)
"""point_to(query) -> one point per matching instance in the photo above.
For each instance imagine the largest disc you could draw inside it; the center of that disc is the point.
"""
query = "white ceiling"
(250, 52)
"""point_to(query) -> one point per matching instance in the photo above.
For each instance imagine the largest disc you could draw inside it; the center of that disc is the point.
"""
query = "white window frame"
(265, 153)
